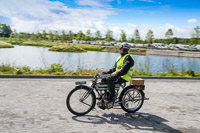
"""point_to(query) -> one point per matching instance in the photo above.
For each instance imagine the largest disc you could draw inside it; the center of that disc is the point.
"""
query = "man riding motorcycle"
(121, 72)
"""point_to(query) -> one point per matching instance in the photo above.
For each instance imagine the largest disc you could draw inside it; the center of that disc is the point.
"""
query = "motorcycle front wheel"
(81, 100)
(131, 99)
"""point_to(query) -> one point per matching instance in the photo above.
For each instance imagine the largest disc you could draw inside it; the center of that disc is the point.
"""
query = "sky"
(116, 15)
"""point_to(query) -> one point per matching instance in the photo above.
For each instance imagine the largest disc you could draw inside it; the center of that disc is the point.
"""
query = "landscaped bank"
(5, 45)
(173, 53)
(56, 69)
(68, 47)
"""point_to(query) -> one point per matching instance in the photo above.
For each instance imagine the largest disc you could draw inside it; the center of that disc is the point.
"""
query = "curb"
(86, 77)
(46, 76)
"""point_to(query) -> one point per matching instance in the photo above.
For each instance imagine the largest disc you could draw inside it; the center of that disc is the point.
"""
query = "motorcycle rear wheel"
(131, 99)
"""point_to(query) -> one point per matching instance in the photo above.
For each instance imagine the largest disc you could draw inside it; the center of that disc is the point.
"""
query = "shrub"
(55, 68)
(23, 70)
(141, 73)
(173, 72)
(6, 68)
(191, 73)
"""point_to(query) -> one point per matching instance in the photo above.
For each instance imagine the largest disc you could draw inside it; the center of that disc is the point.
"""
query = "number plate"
(80, 82)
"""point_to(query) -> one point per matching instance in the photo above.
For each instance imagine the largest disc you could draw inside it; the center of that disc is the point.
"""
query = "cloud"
(37, 15)
(33, 16)
(132, 25)
(151, 1)
(159, 32)
(192, 20)
(92, 3)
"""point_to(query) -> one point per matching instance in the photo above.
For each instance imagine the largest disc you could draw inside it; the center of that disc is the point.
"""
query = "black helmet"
(125, 46)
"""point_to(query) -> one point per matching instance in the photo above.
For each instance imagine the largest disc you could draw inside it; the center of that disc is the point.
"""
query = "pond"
(40, 57)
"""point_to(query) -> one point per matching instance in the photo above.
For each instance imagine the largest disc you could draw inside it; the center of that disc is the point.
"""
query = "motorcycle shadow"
(141, 121)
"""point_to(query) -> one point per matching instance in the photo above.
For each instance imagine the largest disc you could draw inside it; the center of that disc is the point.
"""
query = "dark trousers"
(111, 86)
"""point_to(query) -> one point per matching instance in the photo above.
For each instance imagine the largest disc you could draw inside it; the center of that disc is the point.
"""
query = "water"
(39, 57)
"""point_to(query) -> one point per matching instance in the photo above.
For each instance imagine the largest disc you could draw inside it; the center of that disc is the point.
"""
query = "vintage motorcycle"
(82, 99)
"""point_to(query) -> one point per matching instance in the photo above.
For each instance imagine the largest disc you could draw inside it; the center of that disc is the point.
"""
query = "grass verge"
(57, 69)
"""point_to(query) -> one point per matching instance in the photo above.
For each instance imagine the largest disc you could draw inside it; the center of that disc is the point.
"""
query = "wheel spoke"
(81, 101)
(129, 94)
(85, 96)
(86, 104)
(132, 100)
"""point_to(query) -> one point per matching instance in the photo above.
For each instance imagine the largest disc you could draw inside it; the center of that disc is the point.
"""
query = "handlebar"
(100, 75)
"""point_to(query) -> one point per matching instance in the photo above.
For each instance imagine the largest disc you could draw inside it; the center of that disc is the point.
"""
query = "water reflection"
(36, 57)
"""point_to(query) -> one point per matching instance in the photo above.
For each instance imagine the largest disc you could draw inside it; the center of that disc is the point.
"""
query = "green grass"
(67, 48)
(57, 69)
(39, 43)
(90, 47)
(14, 41)
(131, 51)
(111, 49)
(5, 45)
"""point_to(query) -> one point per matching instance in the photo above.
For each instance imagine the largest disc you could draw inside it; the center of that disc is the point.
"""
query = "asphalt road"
(38, 106)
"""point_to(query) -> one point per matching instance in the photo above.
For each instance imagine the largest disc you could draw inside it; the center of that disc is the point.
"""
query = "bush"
(141, 73)
(55, 68)
(173, 73)
(190, 73)
(23, 70)
(6, 69)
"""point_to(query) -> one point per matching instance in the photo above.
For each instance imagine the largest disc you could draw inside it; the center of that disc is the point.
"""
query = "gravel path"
(38, 106)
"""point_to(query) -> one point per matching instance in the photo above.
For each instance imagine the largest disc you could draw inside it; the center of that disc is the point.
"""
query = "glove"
(111, 77)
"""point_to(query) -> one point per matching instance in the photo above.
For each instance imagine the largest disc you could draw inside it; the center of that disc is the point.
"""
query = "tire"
(127, 98)
(74, 98)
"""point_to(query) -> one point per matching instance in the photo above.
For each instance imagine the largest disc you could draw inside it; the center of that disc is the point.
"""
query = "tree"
(195, 36)
(98, 35)
(14, 33)
(196, 33)
(80, 35)
(194, 41)
(123, 36)
(33, 36)
(50, 36)
(136, 36)
(24, 35)
(175, 40)
(5, 30)
(149, 37)
(63, 37)
(88, 35)
(132, 40)
(38, 36)
(44, 35)
(56, 36)
(70, 35)
(169, 34)
(109, 36)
